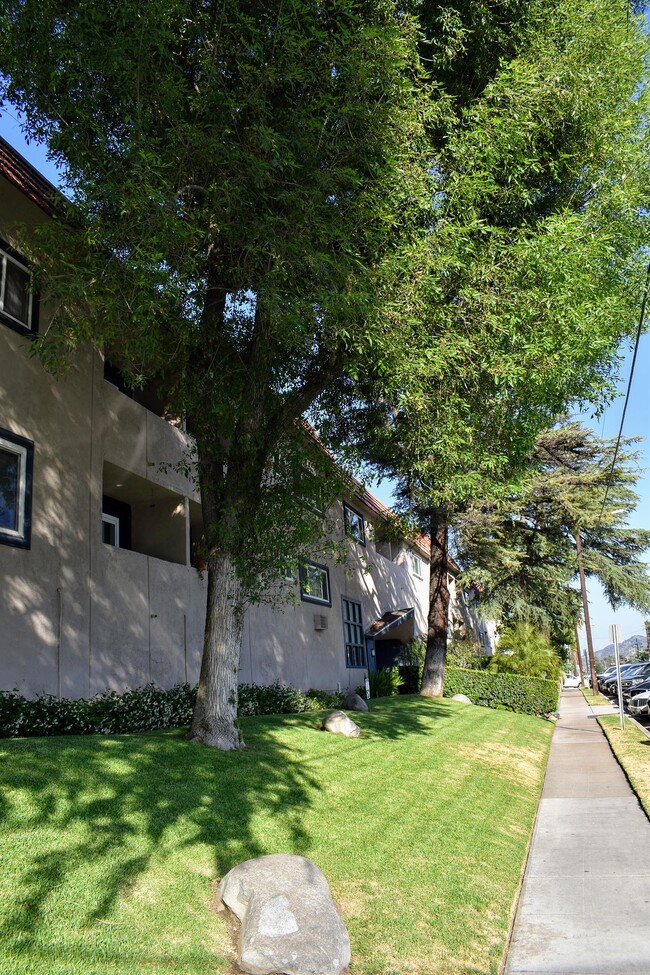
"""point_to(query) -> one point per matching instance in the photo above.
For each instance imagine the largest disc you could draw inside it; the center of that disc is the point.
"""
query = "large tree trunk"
(433, 674)
(215, 713)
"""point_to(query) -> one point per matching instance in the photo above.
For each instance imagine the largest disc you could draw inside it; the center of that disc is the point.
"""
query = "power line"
(629, 386)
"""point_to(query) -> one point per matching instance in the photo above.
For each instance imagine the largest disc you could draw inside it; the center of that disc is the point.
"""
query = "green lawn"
(632, 749)
(594, 699)
(111, 847)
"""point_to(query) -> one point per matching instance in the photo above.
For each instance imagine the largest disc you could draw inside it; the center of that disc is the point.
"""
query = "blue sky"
(637, 422)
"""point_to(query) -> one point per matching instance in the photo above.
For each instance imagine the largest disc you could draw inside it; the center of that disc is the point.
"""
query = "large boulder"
(463, 698)
(288, 920)
(353, 702)
(338, 723)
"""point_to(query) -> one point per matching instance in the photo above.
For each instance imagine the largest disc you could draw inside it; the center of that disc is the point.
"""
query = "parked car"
(634, 678)
(609, 684)
(639, 704)
(636, 688)
(571, 680)
(606, 674)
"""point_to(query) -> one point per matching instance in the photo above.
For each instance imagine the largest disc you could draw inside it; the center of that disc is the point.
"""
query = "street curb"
(627, 778)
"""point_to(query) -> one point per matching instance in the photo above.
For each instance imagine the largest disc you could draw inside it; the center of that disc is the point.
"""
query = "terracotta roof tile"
(28, 180)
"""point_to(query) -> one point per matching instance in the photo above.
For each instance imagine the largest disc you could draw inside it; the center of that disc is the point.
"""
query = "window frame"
(12, 443)
(354, 624)
(9, 253)
(348, 514)
(116, 513)
(417, 566)
(302, 579)
(114, 521)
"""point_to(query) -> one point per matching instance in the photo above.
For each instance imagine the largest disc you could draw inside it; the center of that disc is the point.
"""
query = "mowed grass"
(111, 848)
(594, 699)
(632, 749)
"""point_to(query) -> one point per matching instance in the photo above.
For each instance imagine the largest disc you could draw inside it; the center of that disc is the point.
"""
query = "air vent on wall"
(320, 622)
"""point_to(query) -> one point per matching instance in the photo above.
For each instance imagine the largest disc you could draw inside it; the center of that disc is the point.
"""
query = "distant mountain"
(625, 648)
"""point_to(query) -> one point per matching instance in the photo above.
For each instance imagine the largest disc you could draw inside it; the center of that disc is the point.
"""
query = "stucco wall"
(282, 643)
(77, 615)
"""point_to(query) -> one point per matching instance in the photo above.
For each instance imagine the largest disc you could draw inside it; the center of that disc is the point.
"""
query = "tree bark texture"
(215, 713)
(433, 674)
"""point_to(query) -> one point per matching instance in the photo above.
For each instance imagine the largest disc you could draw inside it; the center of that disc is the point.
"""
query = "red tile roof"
(28, 180)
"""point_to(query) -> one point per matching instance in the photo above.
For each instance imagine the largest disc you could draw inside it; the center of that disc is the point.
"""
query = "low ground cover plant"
(145, 709)
(112, 846)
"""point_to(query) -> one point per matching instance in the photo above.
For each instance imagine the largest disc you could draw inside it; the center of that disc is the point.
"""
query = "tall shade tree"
(534, 268)
(430, 206)
(523, 547)
(246, 180)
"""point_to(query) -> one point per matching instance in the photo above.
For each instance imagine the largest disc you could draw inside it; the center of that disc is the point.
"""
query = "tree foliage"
(525, 650)
(535, 263)
(246, 181)
(273, 204)
(522, 547)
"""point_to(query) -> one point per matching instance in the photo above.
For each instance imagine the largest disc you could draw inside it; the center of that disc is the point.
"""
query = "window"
(288, 571)
(315, 583)
(16, 466)
(417, 567)
(354, 524)
(18, 306)
(110, 530)
(355, 647)
(116, 523)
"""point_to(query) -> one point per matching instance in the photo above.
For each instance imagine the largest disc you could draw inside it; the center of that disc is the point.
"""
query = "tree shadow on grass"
(85, 819)
(403, 716)
(90, 814)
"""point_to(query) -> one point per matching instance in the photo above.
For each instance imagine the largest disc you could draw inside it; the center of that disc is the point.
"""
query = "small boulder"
(461, 697)
(353, 702)
(289, 923)
(338, 723)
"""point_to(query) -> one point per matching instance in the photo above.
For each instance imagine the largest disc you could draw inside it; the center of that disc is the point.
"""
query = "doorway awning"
(389, 621)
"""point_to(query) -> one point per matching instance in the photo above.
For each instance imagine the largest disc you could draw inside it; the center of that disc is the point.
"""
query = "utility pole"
(585, 610)
(579, 654)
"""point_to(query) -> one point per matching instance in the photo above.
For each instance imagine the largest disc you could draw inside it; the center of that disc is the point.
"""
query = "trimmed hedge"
(506, 692)
(144, 709)
(280, 698)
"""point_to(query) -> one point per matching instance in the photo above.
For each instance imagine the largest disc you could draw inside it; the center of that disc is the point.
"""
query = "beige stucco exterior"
(79, 615)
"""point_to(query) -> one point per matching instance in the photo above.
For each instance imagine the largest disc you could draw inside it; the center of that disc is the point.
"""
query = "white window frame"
(352, 518)
(416, 565)
(114, 521)
(8, 254)
(324, 574)
(23, 449)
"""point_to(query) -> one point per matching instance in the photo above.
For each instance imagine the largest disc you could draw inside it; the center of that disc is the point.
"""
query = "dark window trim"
(7, 320)
(23, 540)
(314, 599)
(348, 507)
(363, 644)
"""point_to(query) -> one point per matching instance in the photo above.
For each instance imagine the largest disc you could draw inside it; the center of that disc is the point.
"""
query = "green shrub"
(509, 692)
(145, 709)
(383, 683)
(463, 651)
(273, 698)
(529, 653)
(323, 700)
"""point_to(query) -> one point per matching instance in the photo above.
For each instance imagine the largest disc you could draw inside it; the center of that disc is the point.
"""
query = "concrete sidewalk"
(585, 903)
